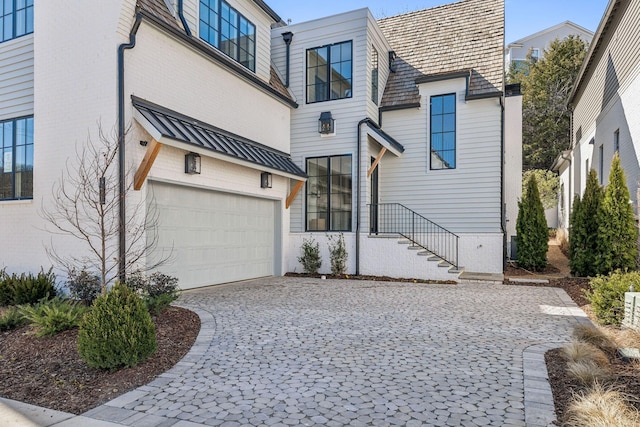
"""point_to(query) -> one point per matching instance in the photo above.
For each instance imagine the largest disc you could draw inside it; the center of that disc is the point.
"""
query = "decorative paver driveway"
(291, 351)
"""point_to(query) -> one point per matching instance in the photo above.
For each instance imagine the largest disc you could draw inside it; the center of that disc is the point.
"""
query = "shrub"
(310, 257)
(30, 289)
(531, 227)
(158, 290)
(53, 316)
(607, 295)
(601, 407)
(338, 254)
(6, 295)
(11, 319)
(83, 285)
(117, 331)
(617, 232)
(583, 231)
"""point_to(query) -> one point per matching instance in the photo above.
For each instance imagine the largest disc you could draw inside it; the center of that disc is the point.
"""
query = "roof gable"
(467, 35)
(556, 27)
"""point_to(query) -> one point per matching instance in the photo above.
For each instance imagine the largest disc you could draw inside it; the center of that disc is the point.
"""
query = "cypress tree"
(617, 231)
(583, 234)
(531, 227)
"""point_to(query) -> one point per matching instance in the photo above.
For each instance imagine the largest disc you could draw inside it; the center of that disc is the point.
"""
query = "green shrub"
(531, 227)
(583, 231)
(11, 319)
(30, 289)
(338, 254)
(53, 316)
(310, 256)
(6, 294)
(158, 290)
(83, 285)
(117, 331)
(607, 295)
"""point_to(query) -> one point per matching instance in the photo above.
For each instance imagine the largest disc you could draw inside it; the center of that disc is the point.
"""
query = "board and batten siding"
(465, 199)
(16, 77)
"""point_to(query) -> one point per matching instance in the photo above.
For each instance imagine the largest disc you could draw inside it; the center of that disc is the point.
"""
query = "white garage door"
(216, 237)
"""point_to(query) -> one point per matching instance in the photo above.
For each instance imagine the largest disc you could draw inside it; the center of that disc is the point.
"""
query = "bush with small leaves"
(30, 289)
(83, 285)
(310, 256)
(11, 319)
(158, 290)
(338, 254)
(51, 317)
(117, 331)
(607, 295)
(6, 294)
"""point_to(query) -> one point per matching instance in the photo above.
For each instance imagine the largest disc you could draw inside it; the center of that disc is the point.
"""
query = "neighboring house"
(413, 115)
(606, 110)
(516, 52)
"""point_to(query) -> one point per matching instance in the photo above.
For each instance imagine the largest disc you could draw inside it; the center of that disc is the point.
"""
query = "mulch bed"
(49, 372)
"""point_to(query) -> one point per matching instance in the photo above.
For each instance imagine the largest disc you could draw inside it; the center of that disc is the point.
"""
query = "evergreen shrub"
(607, 295)
(583, 231)
(531, 227)
(310, 256)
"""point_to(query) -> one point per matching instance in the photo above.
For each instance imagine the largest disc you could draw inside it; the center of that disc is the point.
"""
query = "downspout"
(182, 18)
(121, 147)
(287, 37)
(358, 198)
(502, 183)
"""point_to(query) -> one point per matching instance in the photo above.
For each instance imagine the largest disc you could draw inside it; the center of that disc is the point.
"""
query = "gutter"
(287, 37)
(122, 253)
(502, 204)
(182, 18)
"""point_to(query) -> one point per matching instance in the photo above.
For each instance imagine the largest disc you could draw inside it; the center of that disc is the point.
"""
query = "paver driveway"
(294, 351)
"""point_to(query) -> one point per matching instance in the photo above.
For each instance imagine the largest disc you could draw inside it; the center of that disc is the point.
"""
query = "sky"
(522, 17)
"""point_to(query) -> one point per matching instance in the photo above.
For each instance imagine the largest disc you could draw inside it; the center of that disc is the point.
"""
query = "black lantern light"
(192, 163)
(326, 123)
(266, 180)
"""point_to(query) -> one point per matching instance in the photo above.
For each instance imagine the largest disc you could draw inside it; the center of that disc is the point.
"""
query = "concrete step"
(425, 253)
(415, 248)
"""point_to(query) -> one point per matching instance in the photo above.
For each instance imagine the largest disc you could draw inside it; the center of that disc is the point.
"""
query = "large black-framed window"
(443, 131)
(329, 72)
(16, 18)
(16, 159)
(374, 75)
(225, 28)
(329, 193)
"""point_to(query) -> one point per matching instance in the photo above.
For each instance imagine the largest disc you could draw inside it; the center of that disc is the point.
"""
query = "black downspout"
(358, 198)
(182, 19)
(121, 147)
(287, 37)
(502, 183)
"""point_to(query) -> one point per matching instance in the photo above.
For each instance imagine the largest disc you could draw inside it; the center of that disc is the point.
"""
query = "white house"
(229, 85)
(606, 107)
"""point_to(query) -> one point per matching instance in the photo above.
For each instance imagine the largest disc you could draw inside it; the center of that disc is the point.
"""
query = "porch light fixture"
(266, 180)
(326, 123)
(192, 163)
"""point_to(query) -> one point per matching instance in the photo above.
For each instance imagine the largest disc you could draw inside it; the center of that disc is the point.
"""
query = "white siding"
(512, 163)
(16, 77)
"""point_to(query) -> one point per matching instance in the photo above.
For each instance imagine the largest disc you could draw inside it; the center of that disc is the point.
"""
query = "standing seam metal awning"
(164, 123)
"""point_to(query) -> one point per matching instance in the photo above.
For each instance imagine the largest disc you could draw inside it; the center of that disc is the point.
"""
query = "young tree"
(617, 231)
(531, 227)
(584, 226)
(545, 112)
(85, 206)
(548, 186)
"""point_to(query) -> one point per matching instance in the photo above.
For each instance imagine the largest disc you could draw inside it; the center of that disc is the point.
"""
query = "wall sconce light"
(192, 163)
(266, 180)
(326, 123)
(143, 143)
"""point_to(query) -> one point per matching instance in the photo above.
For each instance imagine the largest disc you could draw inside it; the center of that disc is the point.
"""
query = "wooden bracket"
(294, 192)
(145, 166)
(374, 165)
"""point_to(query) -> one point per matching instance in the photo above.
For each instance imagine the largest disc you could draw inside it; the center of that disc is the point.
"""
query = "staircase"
(424, 236)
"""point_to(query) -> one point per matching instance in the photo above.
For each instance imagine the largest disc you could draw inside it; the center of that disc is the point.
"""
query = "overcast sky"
(523, 17)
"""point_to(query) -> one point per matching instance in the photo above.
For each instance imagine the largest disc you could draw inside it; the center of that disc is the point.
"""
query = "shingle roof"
(467, 36)
(159, 9)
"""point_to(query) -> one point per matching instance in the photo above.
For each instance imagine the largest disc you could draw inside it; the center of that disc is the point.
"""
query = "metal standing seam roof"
(171, 124)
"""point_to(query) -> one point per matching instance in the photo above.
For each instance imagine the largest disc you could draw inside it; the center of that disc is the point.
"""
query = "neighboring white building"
(516, 52)
(230, 82)
(606, 107)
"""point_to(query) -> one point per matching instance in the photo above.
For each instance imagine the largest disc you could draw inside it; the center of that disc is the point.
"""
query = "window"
(443, 131)
(616, 141)
(374, 75)
(226, 29)
(16, 162)
(16, 18)
(535, 53)
(329, 72)
(329, 193)
(601, 163)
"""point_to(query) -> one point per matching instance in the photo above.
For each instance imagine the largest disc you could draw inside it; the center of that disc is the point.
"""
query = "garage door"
(214, 237)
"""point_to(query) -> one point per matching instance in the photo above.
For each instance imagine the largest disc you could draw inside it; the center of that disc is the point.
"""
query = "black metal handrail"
(395, 218)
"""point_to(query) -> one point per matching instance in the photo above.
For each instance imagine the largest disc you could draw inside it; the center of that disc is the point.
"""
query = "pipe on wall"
(182, 18)
(287, 37)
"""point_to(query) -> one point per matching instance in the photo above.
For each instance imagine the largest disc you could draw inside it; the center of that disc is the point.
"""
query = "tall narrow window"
(16, 18)
(16, 161)
(226, 29)
(616, 141)
(601, 164)
(443, 131)
(374, 75)
(329, 194)
(329, 70)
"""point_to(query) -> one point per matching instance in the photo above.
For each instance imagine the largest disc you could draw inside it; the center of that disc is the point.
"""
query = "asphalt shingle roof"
(467, 36)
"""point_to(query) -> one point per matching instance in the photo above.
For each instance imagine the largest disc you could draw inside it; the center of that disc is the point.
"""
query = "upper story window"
(329, 72)
(443, 131)
(616, 141)
(601, 164)
(535, 53)
(226, 29)
(16, 18)
(16, 160)
(374, 75)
